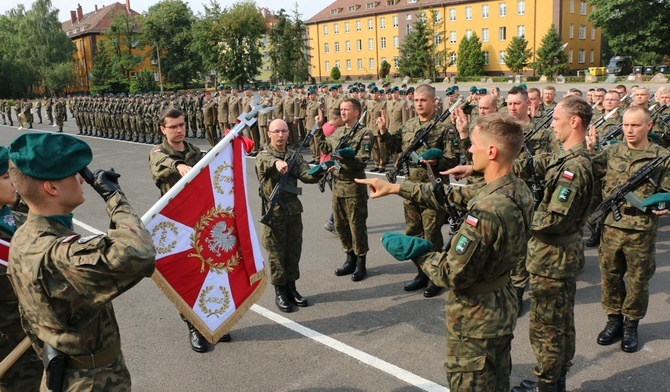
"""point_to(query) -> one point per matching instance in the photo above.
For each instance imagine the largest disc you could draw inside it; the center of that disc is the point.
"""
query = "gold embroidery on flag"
(213, 305)
(162, 247)
(219, 178)
(218, 237)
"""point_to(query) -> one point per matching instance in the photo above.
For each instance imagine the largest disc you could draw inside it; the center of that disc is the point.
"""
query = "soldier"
(169, 162)
(25, 373)
(350, 200)
(535, 103)
(481, 305)
(190, 119)
(263, 118)
(291, 109)
(598, 98)
(48, 105)
(59, 112)
(548, 98)
(375, 108)
(247, 102)
(68, 312)
(332, 101)
(421, 221)
(38, 109)
(234, 107)
(312, 109)
(199, 113)
(283, 238)
(222, 111)
(26, 110)
(209, 118)
(628, 245)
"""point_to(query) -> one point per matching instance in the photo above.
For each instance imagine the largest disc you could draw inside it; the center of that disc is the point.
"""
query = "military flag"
(4, 252)
(208, 258)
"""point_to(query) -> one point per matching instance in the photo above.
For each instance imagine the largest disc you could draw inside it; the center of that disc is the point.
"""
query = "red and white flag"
(208, 259)
(4, 252)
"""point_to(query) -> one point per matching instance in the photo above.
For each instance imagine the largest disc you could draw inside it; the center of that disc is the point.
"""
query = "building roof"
(95, 22)
(347, 9)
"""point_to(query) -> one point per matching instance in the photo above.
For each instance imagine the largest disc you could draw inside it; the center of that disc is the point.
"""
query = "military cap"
(523, 86)
(432, 153)
(287, 88)
(410, 90)
(474, 89)
(346, 153)
(4, 160)
(658, 201)
(220, 87)
(388, 91)
(395, 88)
(405, 247)
(247, 87)
(374, 89)
(322, 167)
(404, 85)
(386, 84)
(262, 87)
(353, 90)
(372, 84)
(332, 88)
(450, 91)
(482, 91)
(49, 156)
(403, 92)
(455, 87)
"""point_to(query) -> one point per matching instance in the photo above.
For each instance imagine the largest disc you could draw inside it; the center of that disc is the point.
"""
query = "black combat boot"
(60, 129)
(80, 133)
(519, 299)
(295, 297)
(128, 137)
(152, 140)
(560, 383)
(594, 241)
(281, 299)
(349, 265)
(420, 281)
(144, 139)
(629, 341)
(360, 271)
(225, 338)
(198, 342)
(536, 387)
(136, 139)
(431, 290)
(613, 330)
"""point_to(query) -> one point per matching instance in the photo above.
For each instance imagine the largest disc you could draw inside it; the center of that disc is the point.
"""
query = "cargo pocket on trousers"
(460, 364)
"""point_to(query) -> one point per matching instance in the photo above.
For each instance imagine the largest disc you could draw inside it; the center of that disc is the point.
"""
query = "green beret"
(374, 89)
(321, 168)
(4, 160)
(482, 91)
(473, 89)
(523, 86)
(346, 153)
(410, 90)
(402, 92)
(49, 156)
(287, 88)
(658, 201)
(432, 153)
(405, 247)
(455, 87)
(654, 137)
(450, 92)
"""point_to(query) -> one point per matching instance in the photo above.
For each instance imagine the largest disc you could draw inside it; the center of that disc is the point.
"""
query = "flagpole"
(14, 356)
(244, 120)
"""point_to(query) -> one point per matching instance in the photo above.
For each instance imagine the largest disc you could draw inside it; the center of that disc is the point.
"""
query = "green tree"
(143, 82)
(59, 77)
(384, 69)
(105, 76)
(122, 37)
(470, 61)
(335, 73)
(414, 57)
(517, 54)
(550, 58)
(168, 27)
(288, 48)
(650, 18)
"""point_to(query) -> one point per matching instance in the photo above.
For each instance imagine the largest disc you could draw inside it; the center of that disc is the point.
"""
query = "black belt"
(633, 211)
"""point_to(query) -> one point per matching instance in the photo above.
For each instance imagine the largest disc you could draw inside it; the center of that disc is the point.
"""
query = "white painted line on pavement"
(327, 341)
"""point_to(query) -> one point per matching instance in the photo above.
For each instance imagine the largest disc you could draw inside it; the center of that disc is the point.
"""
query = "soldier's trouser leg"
(50, 116)
(256, 137)
(293, 137)
(350, 216)
(39, 115)
(379, 153)
(552, 325)
(474, 365)
(424, 223)
(193, 125)
(283, 243)
(201, 126)
(210, 134)
(26, 373)
(264, 136)
(519, 275)
(314, 149)
(631, 253)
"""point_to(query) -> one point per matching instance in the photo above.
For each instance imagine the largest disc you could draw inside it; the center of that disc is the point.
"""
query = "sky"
(307, 8)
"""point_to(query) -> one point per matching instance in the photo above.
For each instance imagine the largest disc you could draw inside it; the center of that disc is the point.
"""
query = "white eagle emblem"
(221, 239)
(9, 220)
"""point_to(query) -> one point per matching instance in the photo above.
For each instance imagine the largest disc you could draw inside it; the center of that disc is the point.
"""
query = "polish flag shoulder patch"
(157, 150)
(568, 174)
(471, 220)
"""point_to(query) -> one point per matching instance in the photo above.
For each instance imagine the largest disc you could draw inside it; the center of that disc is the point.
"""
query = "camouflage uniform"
(282, 240)
(70, 282)
(25, 374)
(380, 154)
(350, 200)
(556, 257)
(59, 112)
(481, 303)
(629, 245)
(163, 163)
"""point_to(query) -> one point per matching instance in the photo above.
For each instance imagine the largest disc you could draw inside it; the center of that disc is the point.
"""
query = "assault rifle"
(537, 187)
(282, 186)
(344, 141)
(419, 140)
(611, 135)
(442, 197)
(624, 192)
(605, 118)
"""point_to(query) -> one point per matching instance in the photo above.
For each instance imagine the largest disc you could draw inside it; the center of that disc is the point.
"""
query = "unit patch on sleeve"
(462, 244)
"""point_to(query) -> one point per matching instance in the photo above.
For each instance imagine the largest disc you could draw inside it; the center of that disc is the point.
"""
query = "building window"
(468, 34)
(370, 24)
(593, 33)
(452, 37)
(485, 11)
(395, 62)
(359, 45)
(591, 56)
(336, 28)
(382, 60)
(337, 64)
(372, 63)
(582, 7)
(359, 63)
(502, 33)
(501, 57)
(502, 9)
(348, 62)
(452, 14)
(395, 21)
(468, 13)
(396, 42)
(582, 52)
(438, 17)
(486, 58)
(520, 30)
(382, 23)
(570, 56)
(334, 11)
(572, 6)
(326, 48)
(371, 43)
(352, 8)
(521, 7)
(382, 42)
(337, 47)
(408, 17)
(485, 34)
(422, 16)
(571, 31)
(408, 29)
(325, 30)
(370, 6)
(438, 38)
(327, 66)
(347, 46)
(358, 25)
(452, 58)
(582, 32)
(346, 27)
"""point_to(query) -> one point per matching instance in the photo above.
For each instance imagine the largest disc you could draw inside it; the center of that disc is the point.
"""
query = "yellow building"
(270, 22)
(357, 35)
(86, 31)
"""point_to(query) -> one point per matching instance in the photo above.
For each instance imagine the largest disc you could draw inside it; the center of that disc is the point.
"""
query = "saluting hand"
(591, 138)
(381, 121)
(461, 121)
(379, 187)
(460, 171)
(183, 168)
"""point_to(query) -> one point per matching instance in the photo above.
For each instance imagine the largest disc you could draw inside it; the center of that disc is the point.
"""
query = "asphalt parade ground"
(354, 336)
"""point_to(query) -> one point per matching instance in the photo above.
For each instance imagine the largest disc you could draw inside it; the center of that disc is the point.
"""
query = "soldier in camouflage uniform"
(375, 106)
(24, 375)
(350, 200)
(421, 221)
(59, 112)
(48, 105)
(68, 312)
(283, 238)
(481, 305)
(628, 246)
(312, 109)
(169, 162)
